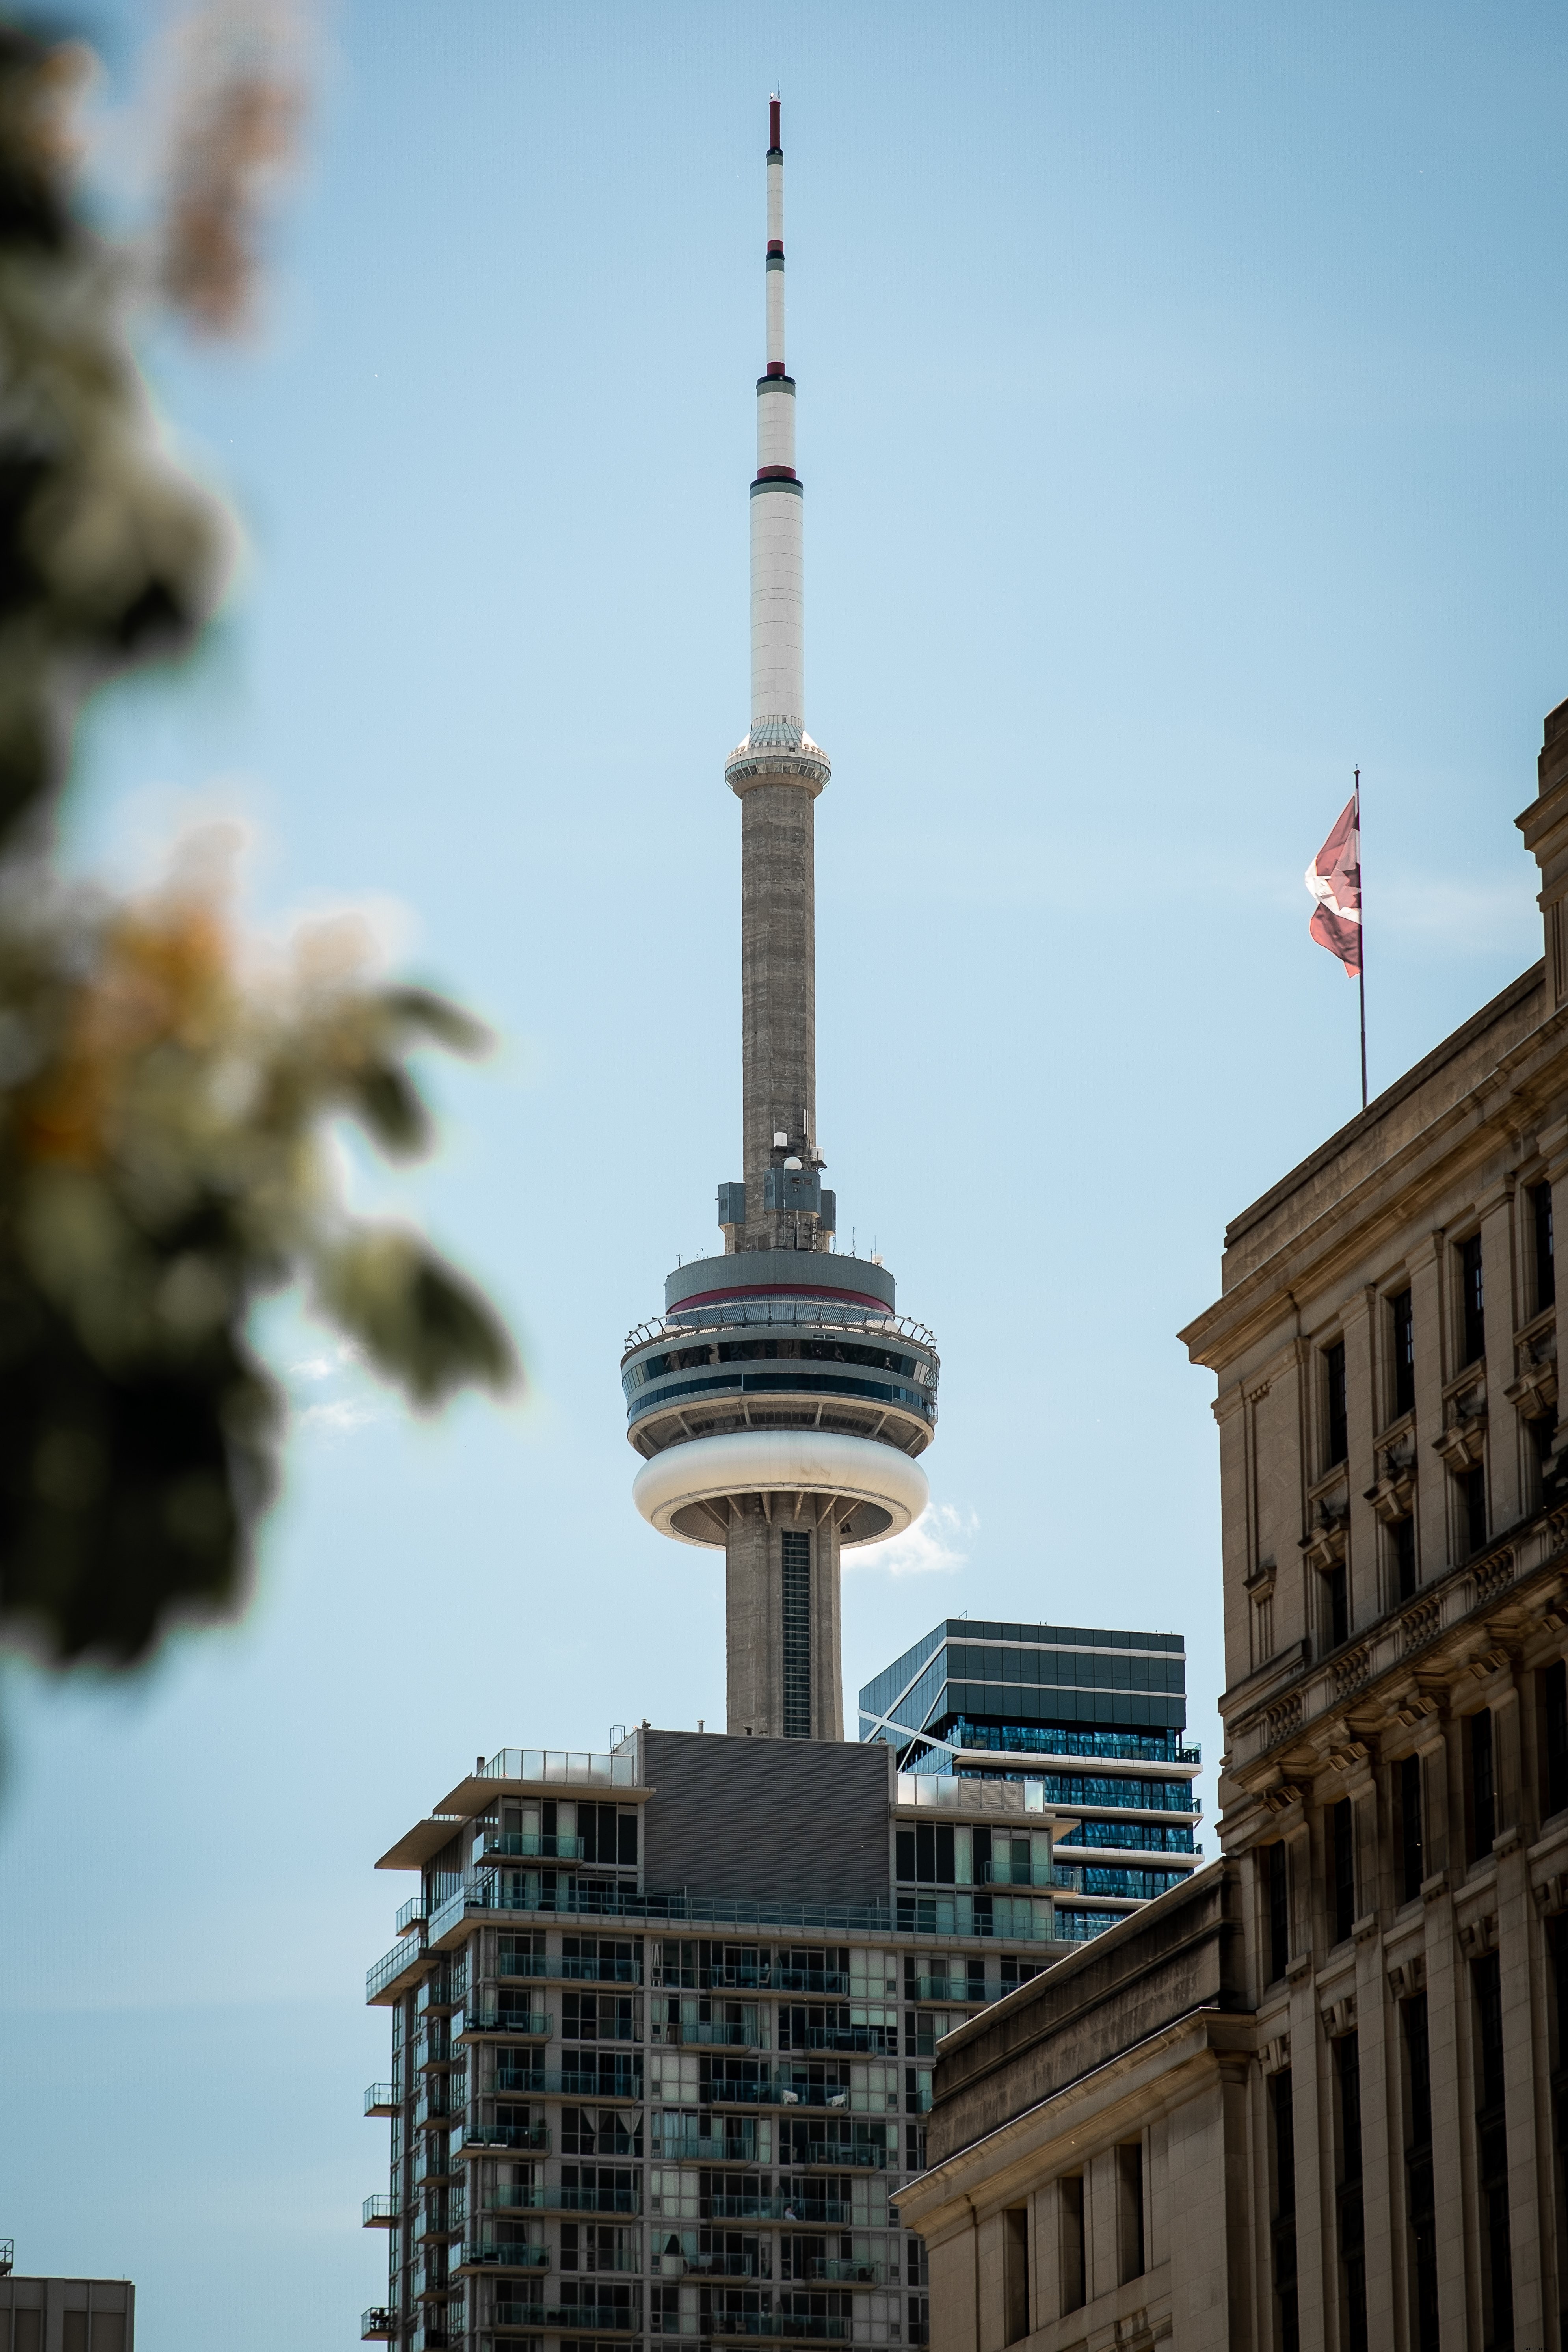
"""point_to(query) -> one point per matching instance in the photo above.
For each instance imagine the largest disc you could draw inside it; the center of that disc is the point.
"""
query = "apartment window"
(1472, 1304)
(1338, 1425)
(1483, 1783)
(1472, 1486)
(1348, 2198)
(1070, 2197)
(1015, 2273)
(1540, 1235)
(1491, 2152)
(1337, 1604)
(1130, 2210)
(1277, 1879)
(1420, 2206)
(925, 1854)
(796, 1580)
(1404, 1354)
(1554, 1688)
(1341, 1868)
(1402, 1550)
(1412, 1842)
(1287, 2304)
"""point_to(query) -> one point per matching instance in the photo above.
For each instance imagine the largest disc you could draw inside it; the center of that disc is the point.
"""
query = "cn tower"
(780, 1402)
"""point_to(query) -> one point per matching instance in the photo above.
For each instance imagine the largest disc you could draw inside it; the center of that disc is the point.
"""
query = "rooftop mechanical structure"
(780, 1402)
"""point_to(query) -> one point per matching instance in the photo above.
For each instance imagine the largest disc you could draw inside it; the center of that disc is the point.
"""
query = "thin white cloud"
(934, 1545)
(343, 1414)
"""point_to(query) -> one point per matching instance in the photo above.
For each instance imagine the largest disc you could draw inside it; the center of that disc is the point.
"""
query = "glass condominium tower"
(1092, 1719)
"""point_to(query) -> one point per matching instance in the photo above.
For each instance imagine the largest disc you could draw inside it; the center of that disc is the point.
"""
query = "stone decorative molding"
(1346, 1754)
(1298, 1966)
(1283, 1718)
(1489, 1662)
(1280, 1799)
(1550, 1893)
(1364, 1928)
(1323, 1545)
(1463, 1442)
(1420, 1625)
(1274, 2055)
(1534, 1394)
(1408, 1977)
(1431, 1888)
(1352, 1673)
(1478, 1937)
(1261, 1583)
(1339, 2016)
(1393, 1496)
(1414, 1707)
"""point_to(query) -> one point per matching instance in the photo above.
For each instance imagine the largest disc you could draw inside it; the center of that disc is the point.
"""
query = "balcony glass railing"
(504, 2254)
(527, 1846)
(383, 2099)
(817, 1984)
(515, 2196)
(398, 1962)
(712, 2266)
(883, 2039)
(819, 2211)
(380, 2212)
(411, 1915)
(1029, 1874)
(786, 2325)
(749, 2036)
(562, 1768)
(378, 2322)
(571, 2083)
(481, 2017)
(594, 2200)
(478, 2140)
(606, 2317)
(698, 2147)
(567, 1969)
(832, 2270)
(569, 1897)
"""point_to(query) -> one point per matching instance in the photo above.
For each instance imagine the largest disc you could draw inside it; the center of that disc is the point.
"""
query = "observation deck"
(778, 1371)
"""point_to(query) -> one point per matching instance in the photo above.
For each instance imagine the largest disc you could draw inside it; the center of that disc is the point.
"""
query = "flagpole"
(1361, 963)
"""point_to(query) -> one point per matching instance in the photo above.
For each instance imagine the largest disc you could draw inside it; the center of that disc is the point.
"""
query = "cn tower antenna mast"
(780, 1402)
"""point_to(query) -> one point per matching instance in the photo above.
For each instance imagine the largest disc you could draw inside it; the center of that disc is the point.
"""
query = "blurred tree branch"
(163, 1106)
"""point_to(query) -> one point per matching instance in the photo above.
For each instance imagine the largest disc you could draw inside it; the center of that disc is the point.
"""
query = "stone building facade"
(1318, 2097)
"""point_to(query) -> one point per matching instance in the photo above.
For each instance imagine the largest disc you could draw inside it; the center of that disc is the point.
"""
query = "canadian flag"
(1334, 878)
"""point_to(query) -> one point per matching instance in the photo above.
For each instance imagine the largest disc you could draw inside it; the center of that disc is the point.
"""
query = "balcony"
(1030, 1873)
(443, 2100)
(561, 1767)
(591, 2200)
(819, 2212)
(750, 2036)
(839, 2156)
(618, 2319)
(382, 2212)
(527, 1846)
(412, 1914)
(395, 1972)
(571, 2083)
(502, 2254)
(513, 2024)
(818, 1984)
(710, 2266)
(782, 2091)
(954, 1991)
(383, 2099)
(378, 2324)
(557, 1971)
(433, 2163)
(880, 2039)
(917, 2103)
(698, 2148)
(488, 2139)
(781, 2323)
(837, 2273)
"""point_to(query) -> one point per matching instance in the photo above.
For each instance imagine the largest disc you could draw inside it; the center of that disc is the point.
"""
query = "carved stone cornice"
(1323, 1545)
(1392, 1497)
(1463, 1441)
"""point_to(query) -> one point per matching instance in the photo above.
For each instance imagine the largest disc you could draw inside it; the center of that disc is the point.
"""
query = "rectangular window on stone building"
(1276, 1894)
(1542, 1252)
(1420, 2206)
(1554, 1705)
(1348, 2198)
(1130, 2210)
(1404, 1353)
(1557, 1951)
(1337, 1423)
(1472, 1486)
(1491, 2154)
(1341, 1869)
(1402, 1554)
(1282, 2202)
(1336, 1612)
(1015, 2273)
(1472, 1304)
(1482, 1783)
(1412, 1842)
(1069, 2202)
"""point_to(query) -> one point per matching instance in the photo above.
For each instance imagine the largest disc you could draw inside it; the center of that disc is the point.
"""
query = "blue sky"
(1181, 409)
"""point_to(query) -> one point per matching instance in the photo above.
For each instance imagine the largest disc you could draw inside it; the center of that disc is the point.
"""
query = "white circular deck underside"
(781, 1461)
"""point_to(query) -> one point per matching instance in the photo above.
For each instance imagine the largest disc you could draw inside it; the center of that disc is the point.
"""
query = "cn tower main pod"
(780, 1403)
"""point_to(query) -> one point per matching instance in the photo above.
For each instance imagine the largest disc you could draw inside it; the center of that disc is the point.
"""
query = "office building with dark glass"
(1092, 1716)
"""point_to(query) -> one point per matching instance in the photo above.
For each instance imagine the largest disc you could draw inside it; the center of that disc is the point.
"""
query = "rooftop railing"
(952, 1792)
(568, 1768)
(779, 1314)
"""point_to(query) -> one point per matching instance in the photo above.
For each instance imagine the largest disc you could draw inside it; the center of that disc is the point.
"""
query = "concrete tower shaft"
(780, 1401)
(777, 773)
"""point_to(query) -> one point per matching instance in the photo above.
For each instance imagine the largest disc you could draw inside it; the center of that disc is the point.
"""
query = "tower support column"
(784, 1668)
(778, 989)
